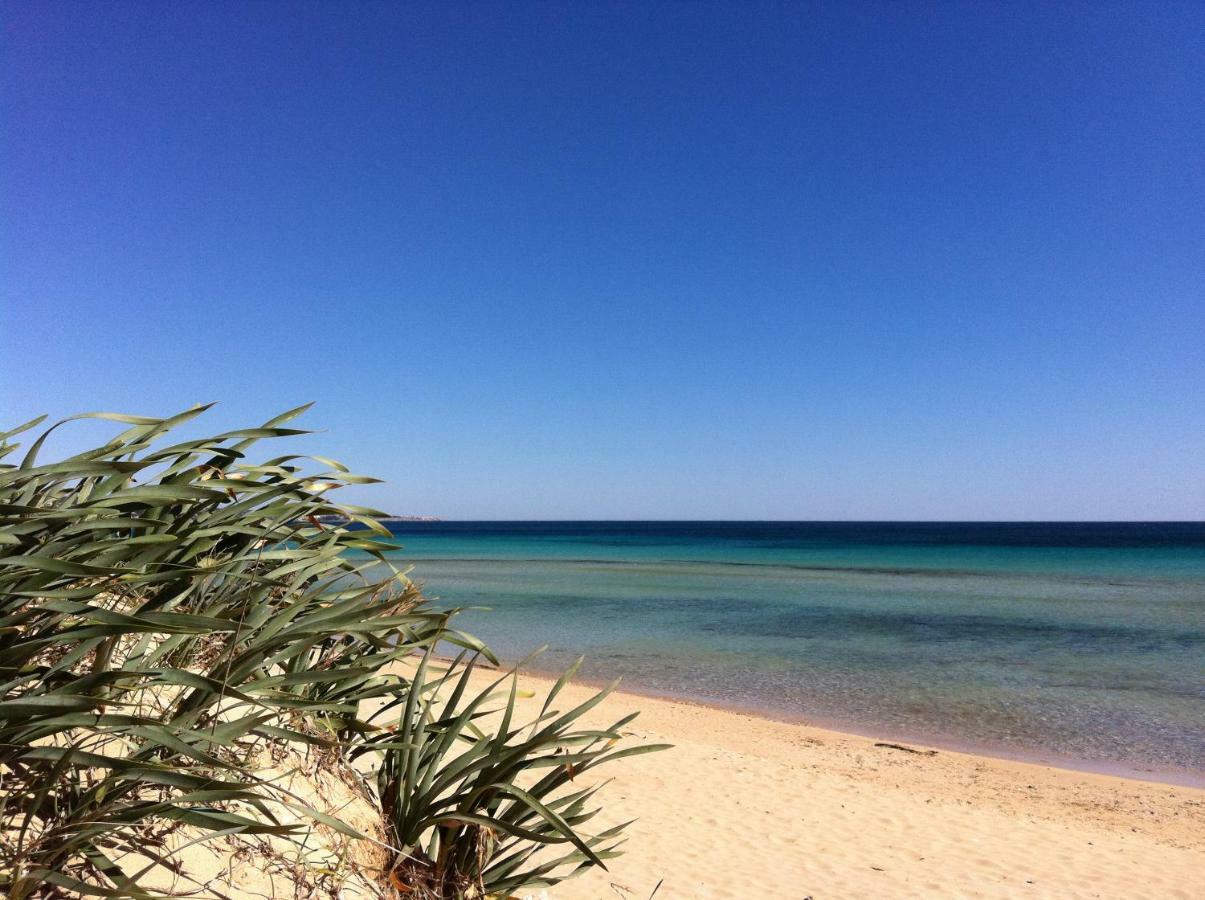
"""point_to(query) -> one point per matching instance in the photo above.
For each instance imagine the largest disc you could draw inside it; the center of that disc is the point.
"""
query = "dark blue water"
(1082, 643)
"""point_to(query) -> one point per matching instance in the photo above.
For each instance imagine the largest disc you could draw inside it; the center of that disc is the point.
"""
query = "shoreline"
(747, 806)
(1103, 768)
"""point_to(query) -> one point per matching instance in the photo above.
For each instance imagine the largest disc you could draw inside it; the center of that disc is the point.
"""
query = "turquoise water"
(1082, 644)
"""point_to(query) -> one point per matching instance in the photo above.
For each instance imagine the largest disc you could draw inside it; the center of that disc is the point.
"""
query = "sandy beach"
(745, 807)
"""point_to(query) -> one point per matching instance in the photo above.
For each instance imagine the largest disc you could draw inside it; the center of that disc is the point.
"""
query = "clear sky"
(607, 260)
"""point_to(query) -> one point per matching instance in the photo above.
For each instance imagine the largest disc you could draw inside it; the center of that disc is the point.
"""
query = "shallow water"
(1066, 642)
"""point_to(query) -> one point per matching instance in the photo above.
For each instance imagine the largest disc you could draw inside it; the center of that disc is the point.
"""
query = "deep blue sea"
(1081, 644)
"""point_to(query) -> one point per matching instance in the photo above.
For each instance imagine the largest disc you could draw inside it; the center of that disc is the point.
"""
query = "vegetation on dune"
(168, 612)
(475, 806)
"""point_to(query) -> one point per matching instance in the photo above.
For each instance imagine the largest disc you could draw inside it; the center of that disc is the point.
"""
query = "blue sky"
(843, 260)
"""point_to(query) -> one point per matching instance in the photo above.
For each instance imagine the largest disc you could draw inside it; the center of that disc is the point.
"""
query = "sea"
(1064, 643)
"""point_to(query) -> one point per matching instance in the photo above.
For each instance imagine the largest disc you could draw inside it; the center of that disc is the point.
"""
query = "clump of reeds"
(168, 611)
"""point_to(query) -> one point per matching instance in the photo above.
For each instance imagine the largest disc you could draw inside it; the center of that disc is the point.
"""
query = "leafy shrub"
(167, 611)
(470, 806)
